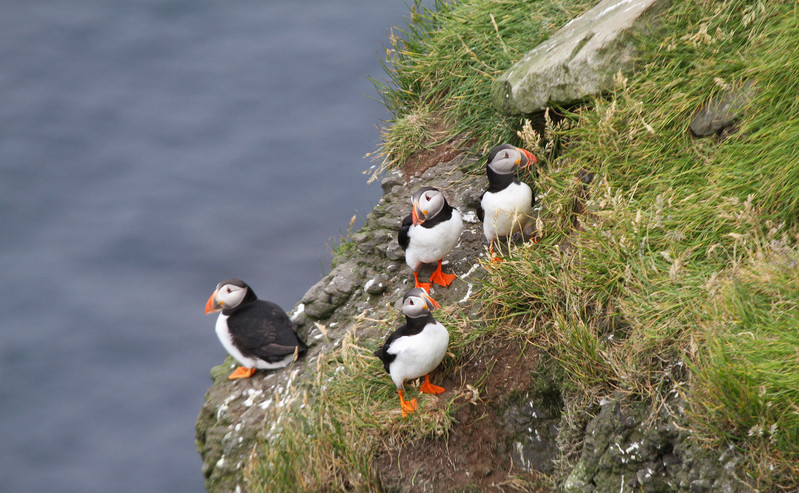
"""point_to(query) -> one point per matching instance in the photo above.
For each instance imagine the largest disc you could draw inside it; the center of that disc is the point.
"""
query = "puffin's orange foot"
(440, 278)
(424, 285)
(429, 388)
(494, 258)
(241, 372)
(407, 407)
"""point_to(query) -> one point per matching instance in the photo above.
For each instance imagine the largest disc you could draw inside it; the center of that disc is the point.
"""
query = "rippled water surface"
(148, 150)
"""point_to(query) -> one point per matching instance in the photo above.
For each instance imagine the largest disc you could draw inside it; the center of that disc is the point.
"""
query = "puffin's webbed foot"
(429, 388)
(440, 278)
(241, 372)
(408, 407)
(424, 285)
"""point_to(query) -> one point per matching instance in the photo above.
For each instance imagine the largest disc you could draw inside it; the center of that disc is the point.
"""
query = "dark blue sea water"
(148, 150)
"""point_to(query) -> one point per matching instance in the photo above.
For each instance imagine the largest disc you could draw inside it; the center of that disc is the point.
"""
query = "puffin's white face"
(417, 303)
(506, 160)
(427, 202)
(225, 296)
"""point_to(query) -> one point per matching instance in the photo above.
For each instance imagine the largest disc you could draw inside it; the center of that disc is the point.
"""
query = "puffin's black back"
(402, 237)
(412, 327)
(262, 329)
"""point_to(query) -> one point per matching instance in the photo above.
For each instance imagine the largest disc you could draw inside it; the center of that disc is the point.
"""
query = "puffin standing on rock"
(416, 348)
(507, 206)
(429, 233)
(258, 333)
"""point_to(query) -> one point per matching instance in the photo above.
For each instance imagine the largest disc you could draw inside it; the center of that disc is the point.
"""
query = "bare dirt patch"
(430, 154)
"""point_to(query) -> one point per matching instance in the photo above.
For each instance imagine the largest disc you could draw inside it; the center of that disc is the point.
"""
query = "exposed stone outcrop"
(626, 449)
(623, 446)
(721, 113)
(579, 60)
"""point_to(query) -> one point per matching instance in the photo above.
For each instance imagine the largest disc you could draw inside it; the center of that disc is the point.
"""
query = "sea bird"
(429, 233)
(257, 333)
(506, 207)
(416, 348)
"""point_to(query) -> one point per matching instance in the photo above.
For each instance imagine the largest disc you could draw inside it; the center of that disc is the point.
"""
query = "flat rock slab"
(579, 60)
(722, 111)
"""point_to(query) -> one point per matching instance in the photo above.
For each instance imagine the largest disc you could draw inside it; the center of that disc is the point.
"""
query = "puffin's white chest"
(507, 211)
(428, 245)
(419, 354)
(223, 333)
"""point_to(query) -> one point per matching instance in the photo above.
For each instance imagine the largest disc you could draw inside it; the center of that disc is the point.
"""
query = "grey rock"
(391, 222)
(722, 111)
(344, 280)
(700, 486)
(622, 445)
(376, 285)
(391, 180)
(579, 60)
(332, 291)
(363, 242)
(576, 482)
(318, 304)
(394, 251)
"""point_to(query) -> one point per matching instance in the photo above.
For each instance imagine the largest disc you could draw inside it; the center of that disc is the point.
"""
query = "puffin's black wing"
(402, 236)
(383, 353)
(265, 331)
(481, 214)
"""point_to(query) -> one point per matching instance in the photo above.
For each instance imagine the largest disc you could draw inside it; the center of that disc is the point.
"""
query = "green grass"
(680, 253)
(686, 250)
(441, 64)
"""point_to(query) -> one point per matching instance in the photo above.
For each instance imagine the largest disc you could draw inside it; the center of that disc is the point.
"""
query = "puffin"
(429, 233)
(258, 333)
(416, 348)
(507, 205)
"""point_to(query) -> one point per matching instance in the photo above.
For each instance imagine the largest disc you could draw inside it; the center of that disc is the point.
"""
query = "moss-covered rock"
(578, 61)
(630, 446)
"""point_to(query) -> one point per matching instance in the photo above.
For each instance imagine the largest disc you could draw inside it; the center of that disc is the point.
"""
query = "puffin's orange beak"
(211, 305)
(530, 157)
(415, 214)
(432, 302)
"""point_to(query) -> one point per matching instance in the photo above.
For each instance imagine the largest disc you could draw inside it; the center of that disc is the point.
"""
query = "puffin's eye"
(411, 301)
(229, 290)
(507, 155)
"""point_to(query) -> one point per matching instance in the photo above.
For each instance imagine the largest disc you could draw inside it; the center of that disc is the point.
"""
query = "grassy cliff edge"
(667, 270)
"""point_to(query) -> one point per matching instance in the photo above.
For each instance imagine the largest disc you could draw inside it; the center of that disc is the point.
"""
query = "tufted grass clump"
(673, 271)
(446, 57)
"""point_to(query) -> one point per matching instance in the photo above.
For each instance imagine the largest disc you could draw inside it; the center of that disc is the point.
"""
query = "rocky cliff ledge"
(515, 422)
(511, 428)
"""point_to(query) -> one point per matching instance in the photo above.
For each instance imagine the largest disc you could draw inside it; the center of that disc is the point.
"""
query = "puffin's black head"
(427, 202)
(229, 294)
(505, 158)
(417, 303)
